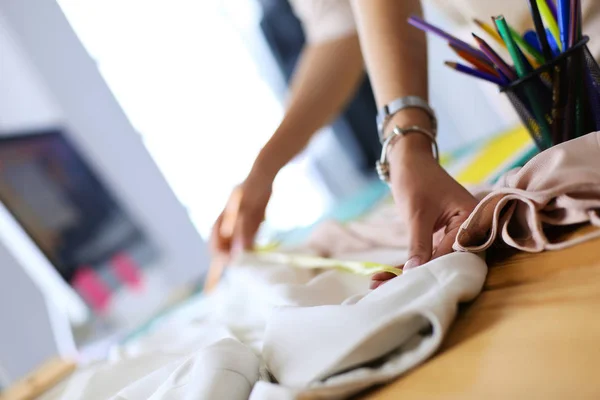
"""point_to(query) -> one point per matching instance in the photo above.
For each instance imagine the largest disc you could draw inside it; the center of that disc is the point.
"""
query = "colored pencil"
(549, 19)
(553, 45)
(513, 49)
(540, 30)
(572, 23)
(477, 63)
(579, 68)
(530, 60)
(490, 31)
(563, 22)
(475, 73)
(579, 21)
(552, 6)
(532, 38)
(496, 59)
(535, 57)
(427, 27)
(542, 136)
(572, 116)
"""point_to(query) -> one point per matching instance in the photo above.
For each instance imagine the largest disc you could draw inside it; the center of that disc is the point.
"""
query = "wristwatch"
(402, 103)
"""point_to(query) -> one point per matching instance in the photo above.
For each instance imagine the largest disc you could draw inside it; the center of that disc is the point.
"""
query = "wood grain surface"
(533, 333)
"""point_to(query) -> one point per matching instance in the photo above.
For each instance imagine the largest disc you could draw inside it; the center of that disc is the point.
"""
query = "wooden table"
(533, 333)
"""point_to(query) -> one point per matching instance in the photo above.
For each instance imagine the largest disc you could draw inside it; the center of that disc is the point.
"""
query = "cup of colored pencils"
(551, 78)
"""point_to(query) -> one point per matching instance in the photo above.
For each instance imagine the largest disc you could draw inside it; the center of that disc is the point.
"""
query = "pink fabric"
(558, 187)
(381, 228)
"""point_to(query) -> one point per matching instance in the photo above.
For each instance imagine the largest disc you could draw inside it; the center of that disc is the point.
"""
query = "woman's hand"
(428, 198)
(236, 227)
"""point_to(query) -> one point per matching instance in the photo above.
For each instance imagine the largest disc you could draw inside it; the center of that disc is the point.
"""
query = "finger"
(445, 245)
(376, 284)
(245, 231)
(217, 242)
(420, 242)
(382, 276)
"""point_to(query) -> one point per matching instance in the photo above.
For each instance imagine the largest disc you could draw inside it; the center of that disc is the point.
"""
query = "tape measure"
(313, 262)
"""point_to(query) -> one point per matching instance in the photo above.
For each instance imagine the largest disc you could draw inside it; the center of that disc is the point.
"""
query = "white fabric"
(325, 20)
(321, 334)
(385, 322)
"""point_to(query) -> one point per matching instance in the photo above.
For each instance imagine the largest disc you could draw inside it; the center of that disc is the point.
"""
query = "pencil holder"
(560, 100)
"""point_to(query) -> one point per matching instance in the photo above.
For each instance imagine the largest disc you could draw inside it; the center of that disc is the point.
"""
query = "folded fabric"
(224, 370)
(325, 351)
(560, 186)
(200, 360)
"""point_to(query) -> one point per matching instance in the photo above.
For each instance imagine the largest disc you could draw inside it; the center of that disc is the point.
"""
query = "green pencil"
(526, 47)
(505, 34)
(542, 133)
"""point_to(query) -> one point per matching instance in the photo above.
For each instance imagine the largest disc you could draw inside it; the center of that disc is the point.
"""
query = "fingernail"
(412, 263)
(375, 284)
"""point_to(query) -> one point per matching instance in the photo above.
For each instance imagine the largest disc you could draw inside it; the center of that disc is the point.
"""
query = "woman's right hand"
(238, 223)
(429, 200)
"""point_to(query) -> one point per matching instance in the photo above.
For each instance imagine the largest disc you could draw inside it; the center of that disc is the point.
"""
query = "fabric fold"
(558, 187)
(386, 324)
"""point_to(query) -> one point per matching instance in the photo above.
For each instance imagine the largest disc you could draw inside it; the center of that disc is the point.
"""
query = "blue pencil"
(563, 22)
(532, 38)
(553, 45)
(539, 29)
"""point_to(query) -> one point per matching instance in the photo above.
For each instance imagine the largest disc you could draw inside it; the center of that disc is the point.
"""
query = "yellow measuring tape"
(313, 262)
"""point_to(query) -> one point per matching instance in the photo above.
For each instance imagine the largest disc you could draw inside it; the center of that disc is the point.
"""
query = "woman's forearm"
(325, 79)
(395, 54)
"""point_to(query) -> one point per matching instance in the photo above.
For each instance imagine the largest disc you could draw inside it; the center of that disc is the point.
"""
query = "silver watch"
(395, 106)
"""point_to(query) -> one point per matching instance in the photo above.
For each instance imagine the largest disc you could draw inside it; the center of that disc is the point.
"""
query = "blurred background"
(124, 125)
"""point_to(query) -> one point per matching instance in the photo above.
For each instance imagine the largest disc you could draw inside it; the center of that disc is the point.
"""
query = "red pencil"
(496, 59)
(477, 63)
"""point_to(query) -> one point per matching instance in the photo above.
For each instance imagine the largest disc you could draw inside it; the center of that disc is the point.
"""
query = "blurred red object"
(94, 291)
(127, 270)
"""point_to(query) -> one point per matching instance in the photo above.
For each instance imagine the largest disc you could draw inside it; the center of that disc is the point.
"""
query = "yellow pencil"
(550, 21)
(494, 34)
(490, 31)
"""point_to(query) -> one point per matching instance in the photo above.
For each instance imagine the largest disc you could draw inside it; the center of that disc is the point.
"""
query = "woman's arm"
(326, 77)
(396, 58)
(395, 53)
